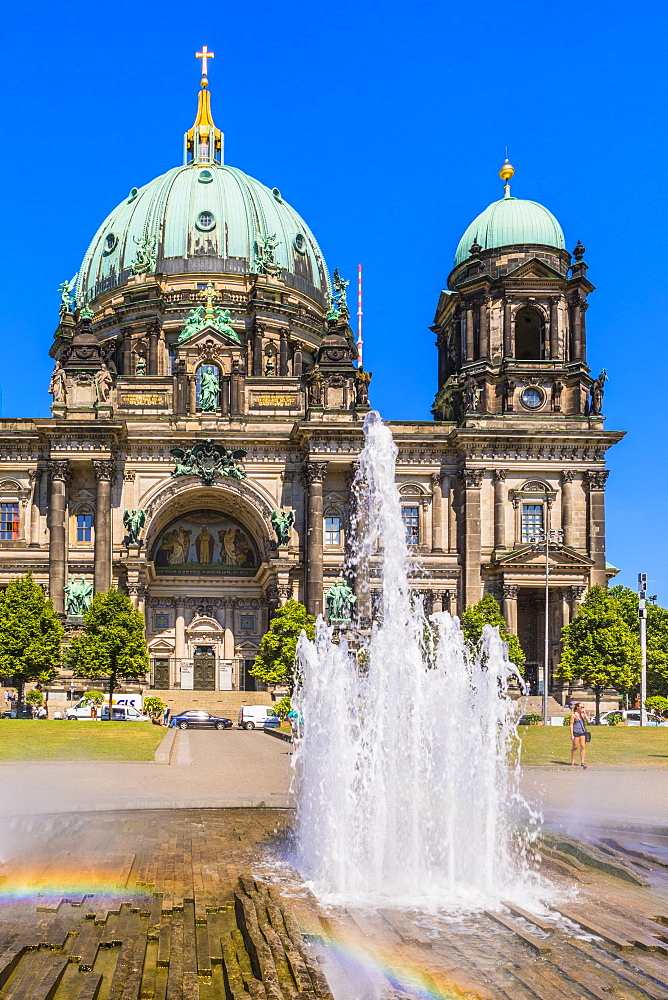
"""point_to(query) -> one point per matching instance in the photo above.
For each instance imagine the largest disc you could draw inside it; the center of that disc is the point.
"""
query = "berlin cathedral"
(208, 403)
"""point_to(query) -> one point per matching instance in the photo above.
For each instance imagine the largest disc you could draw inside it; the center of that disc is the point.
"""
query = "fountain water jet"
(404, 790)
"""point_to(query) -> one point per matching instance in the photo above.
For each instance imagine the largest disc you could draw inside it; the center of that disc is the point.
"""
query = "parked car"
(257, 717)
(120, 713)
(199, 720)
(82, 710)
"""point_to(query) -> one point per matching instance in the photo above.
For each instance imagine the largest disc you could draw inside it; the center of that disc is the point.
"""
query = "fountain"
(404, 790)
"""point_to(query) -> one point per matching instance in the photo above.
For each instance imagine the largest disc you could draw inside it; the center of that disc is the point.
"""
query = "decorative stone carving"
(145, 256)
(362, 380)
(557, 388)
(339, 600)
(315, 380)
(499, 475)
(471, 479)
(313, 472)
(104, 470)
(282, 523)
(510, 592)
(596, 391)
(567, 476)
(134, 521)
(59, 469)
(78, 596)
(208, 461)
(265, 254)
(58, 384)
(595, 479)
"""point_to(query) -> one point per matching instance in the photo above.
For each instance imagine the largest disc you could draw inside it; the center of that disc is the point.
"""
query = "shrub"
(567, 720)
(154, 707)
(282, 707)
(615, 718)
(34, 697)
(532, 719)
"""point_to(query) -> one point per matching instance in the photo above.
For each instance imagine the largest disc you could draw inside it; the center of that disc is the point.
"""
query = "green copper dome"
(509, 222)
(202, 218)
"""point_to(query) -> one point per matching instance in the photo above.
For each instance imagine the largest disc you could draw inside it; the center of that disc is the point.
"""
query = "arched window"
(528, 334)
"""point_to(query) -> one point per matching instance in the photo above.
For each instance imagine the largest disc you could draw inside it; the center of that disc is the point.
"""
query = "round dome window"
(133, 194)
(205, 177)
(206, 222)
(110, 244)
(532, 398)
(299, 243)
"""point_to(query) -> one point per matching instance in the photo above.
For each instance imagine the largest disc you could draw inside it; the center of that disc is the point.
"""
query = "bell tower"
(510, 327)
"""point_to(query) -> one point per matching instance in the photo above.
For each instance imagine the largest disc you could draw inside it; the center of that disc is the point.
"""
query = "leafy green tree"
(31, 634)
(599, 647)
(34, 697)
(275, 663)
(95, 699)
(657, 704)
(657, 637)
(113, 643)
(488, 612)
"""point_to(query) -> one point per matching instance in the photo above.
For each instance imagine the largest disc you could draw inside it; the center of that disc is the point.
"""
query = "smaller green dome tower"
(511, 222)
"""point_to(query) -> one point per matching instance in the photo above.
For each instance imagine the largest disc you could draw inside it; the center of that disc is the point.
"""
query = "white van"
(130, 701)
(257, 717)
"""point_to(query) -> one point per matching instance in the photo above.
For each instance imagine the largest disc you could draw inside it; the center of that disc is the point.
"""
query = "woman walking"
(579, 722)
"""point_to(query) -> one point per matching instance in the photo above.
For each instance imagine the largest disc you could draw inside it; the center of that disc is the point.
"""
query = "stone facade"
(517, 443)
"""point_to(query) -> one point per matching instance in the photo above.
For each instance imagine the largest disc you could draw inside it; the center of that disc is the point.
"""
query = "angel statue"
(134, 521)
(78, 596)
(282, 523)
(66, 289)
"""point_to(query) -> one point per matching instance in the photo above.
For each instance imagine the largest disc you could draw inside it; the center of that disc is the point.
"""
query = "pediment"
(161, 646)
(203, 624)
(211, 338)
(534, 268)
(526, 557)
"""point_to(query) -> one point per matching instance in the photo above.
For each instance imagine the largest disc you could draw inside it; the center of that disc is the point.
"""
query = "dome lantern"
(203, 143)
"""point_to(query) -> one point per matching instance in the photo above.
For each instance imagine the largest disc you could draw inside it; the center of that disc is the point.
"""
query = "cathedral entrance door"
(161, 673)
(204, 663)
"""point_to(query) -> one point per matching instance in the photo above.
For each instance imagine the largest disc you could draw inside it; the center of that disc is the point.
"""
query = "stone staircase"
(224, 703)
(533, 705)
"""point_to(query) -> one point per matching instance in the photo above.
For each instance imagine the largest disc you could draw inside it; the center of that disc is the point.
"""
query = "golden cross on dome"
(204, 55)
(209, 294)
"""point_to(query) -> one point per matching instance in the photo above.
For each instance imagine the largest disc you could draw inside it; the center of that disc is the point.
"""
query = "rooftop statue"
(103, 384)
(597, 391)
(208, 461)
(58, 384)
(341, 295)
(265, 256)
(144, 259)
(282, 522)
(66, 300)
(208, 315)
(134, 521)
(86, 313)
(339, 600)
(78, 596)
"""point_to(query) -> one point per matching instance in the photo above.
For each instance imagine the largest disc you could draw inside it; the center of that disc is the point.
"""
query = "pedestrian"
(166, 715)
(579, 735)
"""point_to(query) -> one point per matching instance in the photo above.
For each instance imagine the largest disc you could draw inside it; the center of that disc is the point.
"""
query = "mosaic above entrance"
(205, 541)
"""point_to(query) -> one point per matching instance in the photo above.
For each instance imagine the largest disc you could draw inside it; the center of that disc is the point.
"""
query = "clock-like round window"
(299, 243)
(110, 244)
(532, 398)
(206, 222)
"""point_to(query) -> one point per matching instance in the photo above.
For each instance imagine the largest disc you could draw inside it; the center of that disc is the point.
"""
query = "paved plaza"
(174, 882)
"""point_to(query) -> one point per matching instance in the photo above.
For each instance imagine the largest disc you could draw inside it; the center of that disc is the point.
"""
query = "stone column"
(283, 354)
(236, 391)
(470, 340)
(565, 606)
(510, 595)
(554, 328)
(471, 481)
(583, 331)
(60, 474)
(499, 508)
(574, 595)
(224, 395)
(297, 361)
(508, 351)
(517, 507)
(437, 602)
(595, 484)
(436, 513)
(179, 630)
(313, 474)
(576, 327)
(257, 351)
(567, 477)
(192, 394)
(484, 326)
(228, 643)
(35, 517)
(127, 350)
(104, 472)
(153, 337)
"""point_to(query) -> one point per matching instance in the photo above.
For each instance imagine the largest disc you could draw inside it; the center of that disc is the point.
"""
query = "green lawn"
(48, 739)
(617, 745)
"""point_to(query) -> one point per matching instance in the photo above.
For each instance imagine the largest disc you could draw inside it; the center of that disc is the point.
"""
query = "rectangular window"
(332, 531)
(532, 521)
(9, 521)
(84, 527)
(411, 516)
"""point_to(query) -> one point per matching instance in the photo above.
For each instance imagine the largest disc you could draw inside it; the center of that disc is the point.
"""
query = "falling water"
(404, 790)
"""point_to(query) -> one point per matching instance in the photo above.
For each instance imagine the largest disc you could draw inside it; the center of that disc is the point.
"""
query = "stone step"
(224, 703)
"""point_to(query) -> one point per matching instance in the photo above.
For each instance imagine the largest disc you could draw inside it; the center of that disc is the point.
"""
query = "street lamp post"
(542, 541)
(642, 616)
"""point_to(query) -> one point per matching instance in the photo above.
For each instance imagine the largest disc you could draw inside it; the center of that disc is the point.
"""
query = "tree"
(275, 663)
(155, 707)
(488, 612)
(95, 699)
(31, 634)
(113, 643)
(599, 647)
(34, 698)
(657, 637)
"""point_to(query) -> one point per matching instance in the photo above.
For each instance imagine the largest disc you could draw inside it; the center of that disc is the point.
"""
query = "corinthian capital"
(59, 468)
(567, 475)
(500, 475)
(471, 479)
(104, 470)
(313, 472)
(595, 479)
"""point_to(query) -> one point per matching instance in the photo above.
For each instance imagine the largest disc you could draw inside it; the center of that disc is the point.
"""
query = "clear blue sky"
(385, 126)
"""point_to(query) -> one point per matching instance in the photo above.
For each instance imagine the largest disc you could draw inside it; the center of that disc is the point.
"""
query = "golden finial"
(506, 171)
